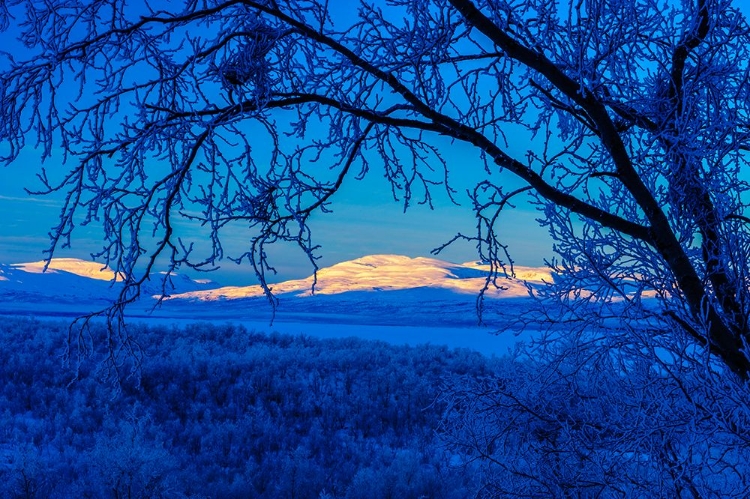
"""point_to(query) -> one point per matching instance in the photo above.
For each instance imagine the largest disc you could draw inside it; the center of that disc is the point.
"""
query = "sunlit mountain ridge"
(380, 273)
(372, 273)
(70, 285)
(82, 268)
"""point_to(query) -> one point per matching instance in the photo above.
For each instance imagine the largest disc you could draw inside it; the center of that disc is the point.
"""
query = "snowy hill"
(69, 286)
(375, 290)
(66, 283)
(81, 268)
(386, 290)
(377, 273)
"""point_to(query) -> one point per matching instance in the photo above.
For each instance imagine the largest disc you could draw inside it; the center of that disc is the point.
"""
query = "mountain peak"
(375, 273)
(82, 268)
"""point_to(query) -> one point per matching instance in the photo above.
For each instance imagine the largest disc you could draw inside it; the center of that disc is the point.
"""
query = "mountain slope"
(373, 290)
(69, 286)
(380, 273)
(81, 268)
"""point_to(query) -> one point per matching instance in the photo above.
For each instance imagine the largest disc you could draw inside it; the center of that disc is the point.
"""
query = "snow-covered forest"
(223, 412)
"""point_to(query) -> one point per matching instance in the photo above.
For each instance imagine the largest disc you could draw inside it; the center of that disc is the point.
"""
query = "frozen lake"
(481, 339)
(422, 327)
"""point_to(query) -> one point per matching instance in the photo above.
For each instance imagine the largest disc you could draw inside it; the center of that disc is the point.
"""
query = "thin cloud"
(30, 199)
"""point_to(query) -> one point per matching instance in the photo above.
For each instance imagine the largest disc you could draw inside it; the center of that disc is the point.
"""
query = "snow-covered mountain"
(66, 282)
(378, 273)
(69, 286)
(376, 289)
(81, 268)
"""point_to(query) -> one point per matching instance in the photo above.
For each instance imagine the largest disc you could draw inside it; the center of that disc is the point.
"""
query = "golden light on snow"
(387, 273)
(81, 268)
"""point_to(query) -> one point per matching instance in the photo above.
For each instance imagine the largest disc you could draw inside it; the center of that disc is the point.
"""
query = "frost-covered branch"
(624, 123)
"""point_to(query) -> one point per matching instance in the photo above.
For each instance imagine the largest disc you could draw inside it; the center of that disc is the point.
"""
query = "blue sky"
(365, 220)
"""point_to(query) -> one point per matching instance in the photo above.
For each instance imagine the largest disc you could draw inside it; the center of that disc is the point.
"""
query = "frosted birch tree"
(633, 123)
(253, 113)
